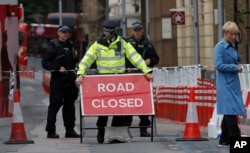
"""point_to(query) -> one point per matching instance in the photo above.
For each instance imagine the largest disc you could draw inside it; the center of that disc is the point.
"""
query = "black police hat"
(64, 28)
(110, 25)
(137, 25)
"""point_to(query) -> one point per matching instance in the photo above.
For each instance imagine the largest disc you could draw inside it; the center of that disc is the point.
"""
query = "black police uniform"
(146, 49)
(63, 90)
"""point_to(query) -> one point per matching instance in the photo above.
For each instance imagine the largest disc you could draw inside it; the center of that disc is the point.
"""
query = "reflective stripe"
(98, 50)
(192, 113)
(90, 57)
(84, 64)
(132, 54)
(110, 58)
(114, 68)
(17, 117)
(101, 58)
(138, 62)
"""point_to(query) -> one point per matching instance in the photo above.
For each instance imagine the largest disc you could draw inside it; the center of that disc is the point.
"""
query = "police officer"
(61, 59)
(109, 53)
(146, 49)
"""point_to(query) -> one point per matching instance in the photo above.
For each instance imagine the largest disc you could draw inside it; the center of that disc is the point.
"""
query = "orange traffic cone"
(192, 131)
(18, 135)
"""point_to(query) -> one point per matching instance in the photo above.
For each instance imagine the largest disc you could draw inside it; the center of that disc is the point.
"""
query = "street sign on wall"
(177, 17)
(121, 94)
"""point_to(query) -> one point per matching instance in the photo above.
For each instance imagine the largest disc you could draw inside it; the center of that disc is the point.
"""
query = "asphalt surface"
(34, 102)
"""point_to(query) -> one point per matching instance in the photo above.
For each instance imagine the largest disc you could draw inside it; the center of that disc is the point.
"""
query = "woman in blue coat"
(228, 90)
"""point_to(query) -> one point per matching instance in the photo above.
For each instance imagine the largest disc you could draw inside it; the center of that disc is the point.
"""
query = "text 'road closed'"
(121, 94)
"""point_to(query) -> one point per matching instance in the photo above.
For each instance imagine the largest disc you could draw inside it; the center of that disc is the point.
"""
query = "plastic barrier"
(246, 100)
(27, 72)
(214, 125)
(155, 88)
(46, 82)
(200, 104)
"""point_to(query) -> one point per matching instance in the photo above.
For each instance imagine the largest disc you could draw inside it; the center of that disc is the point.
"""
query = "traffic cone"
(192, 131)
(18, 135)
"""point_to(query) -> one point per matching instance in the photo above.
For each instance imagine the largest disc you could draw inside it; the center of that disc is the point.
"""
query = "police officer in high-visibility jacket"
(109, 53)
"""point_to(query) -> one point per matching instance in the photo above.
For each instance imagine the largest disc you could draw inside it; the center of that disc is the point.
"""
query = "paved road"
(34, 104)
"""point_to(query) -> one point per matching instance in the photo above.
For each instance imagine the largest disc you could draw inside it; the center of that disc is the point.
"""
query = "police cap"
(137, 25)
(64, 28)
(110, 25)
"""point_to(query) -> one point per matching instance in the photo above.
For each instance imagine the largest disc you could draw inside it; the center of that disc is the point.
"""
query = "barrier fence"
(171, 89)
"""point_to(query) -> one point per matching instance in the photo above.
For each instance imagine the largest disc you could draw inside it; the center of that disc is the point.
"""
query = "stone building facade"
(174, 43)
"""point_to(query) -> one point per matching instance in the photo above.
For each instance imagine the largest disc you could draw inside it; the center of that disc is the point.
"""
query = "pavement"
(34, 102)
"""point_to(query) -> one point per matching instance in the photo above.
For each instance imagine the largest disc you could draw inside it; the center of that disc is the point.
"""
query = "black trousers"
(116, 121)
(144, 120)
(229, 128)
(60, 96)
(127, 120)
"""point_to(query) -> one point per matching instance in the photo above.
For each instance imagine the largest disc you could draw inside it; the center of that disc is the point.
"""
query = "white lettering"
(240, 144)
(237, 144)
(120, 87)
(130, 103)
(138, 102)
(96, 105)
(103, 104)
(130, 86)
(134, 102)
(100, 87)
(114, 103)
(122, 103)
(243, 143)
(111, 87)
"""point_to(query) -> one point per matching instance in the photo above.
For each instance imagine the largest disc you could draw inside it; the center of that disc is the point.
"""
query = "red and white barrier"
(46, 82)
(27, 72)
(246, 100)
(172, 103)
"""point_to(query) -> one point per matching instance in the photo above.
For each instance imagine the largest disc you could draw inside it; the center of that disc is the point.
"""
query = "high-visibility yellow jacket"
(110, 58)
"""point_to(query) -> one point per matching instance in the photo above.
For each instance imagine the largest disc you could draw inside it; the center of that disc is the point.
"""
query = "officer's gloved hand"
(78, 80)
(150, 77)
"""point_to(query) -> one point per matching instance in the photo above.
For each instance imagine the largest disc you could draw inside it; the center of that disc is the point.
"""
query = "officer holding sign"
(109, 52)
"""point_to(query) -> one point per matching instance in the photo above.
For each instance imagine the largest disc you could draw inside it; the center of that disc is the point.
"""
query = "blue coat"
(228, 89)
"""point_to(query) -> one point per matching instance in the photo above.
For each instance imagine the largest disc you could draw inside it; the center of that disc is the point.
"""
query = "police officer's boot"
(100, 135)
(72, 134)
(52, 135)
(144, 132)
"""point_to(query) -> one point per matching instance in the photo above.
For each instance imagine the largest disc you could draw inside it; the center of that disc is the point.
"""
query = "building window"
(183, 3)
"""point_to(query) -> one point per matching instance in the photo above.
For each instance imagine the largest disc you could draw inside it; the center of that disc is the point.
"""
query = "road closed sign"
(121, 94)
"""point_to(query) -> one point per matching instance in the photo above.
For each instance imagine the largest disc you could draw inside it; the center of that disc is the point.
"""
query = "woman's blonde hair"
(230, 27)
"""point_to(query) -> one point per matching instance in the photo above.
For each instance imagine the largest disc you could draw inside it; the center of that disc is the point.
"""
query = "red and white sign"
(121, 94)
(178, 17)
